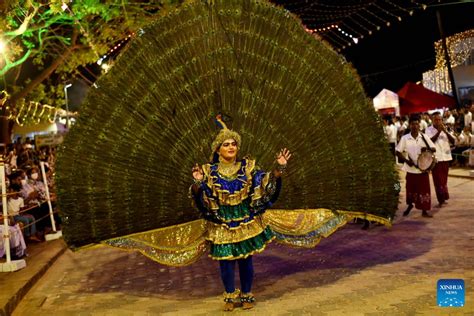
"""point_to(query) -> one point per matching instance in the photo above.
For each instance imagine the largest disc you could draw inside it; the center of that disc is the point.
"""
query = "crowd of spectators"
(28, 210)
(458, 123)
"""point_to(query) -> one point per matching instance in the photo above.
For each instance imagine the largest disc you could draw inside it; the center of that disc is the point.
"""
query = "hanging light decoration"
(460, 47)
(344, 23)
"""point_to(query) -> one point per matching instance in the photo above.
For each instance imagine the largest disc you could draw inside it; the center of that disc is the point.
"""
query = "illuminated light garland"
(459, 46)
(34, 113)
(359, 35)
(122, 42)
(437, 80)
(387, 12)
(410, 12)
(354, 18)
(335, 38)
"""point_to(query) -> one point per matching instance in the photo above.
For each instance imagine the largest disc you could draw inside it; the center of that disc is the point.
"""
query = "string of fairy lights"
(113, 50)
(28, 113)
(345, 23)
(460, 49)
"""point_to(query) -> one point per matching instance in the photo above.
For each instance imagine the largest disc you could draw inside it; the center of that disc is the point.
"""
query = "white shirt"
(392, 135)
(450, 120)
(412, 147)
(467, 118)
(14, 206)
(443, 147)
(423, 125)
(464, 139)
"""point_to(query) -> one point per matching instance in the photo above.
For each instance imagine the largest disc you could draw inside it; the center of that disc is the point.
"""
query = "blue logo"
(451, 293)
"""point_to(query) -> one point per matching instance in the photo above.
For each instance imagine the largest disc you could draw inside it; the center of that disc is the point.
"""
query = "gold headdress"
(224, 134)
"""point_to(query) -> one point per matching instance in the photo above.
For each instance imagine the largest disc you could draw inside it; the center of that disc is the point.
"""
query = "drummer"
(408, 150)
(443, 141)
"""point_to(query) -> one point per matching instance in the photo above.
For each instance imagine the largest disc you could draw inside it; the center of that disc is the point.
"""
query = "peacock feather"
(126, 165)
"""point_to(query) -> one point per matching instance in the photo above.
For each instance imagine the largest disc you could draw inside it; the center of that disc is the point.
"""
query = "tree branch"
(42, 76)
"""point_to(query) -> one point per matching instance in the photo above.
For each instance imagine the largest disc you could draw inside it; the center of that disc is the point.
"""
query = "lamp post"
(67, 103)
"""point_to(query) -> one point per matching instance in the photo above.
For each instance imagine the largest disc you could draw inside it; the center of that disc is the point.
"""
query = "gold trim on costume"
(247, 254)
(228, 170)
(311, 242)
(233, 295)
(259, 191)
(219, 234)
(224, 197)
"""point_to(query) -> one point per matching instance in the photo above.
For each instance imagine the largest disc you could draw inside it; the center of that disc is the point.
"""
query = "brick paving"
(376, 272)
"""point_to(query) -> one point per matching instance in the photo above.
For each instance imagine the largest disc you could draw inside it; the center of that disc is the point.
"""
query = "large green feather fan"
(125, 167)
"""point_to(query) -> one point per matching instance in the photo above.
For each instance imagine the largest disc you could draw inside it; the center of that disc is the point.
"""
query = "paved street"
(377, 272)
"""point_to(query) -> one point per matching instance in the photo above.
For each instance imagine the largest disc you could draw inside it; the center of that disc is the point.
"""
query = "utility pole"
(66, 86)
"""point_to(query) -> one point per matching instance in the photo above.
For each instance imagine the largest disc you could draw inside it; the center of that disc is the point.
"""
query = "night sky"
(403, 51)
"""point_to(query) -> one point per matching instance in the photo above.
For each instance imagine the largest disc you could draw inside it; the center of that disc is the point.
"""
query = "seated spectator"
(15, 206)
(34, 183)
(463, 142)
(30, 199)
(17, 242)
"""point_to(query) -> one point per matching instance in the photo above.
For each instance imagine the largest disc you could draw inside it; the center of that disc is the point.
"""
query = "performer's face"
(228, 149)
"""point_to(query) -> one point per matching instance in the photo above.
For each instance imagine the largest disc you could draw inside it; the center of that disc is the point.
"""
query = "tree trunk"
(4, 130)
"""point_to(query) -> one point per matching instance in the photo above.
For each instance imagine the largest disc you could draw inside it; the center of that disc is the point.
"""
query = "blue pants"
(28, 221)
(245, 272)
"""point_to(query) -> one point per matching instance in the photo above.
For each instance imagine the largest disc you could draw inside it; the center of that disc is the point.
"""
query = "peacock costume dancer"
(232, 195)
(123, 171)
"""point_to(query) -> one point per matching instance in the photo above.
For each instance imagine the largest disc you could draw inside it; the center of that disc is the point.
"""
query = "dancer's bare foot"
(247, 305)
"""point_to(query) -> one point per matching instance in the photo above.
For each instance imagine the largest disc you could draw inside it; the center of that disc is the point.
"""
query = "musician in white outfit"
(408, 150)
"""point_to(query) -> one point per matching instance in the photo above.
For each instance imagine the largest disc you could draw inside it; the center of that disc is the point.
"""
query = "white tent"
(387, 99)
(38, 129)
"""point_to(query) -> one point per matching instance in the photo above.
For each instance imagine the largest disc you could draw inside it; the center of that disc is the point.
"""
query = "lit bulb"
(3, 47)
(356, 40)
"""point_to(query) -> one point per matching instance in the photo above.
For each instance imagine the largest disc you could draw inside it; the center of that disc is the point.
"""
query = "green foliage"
(43, 32)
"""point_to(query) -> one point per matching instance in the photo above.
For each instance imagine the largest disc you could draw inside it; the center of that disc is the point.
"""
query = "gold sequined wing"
(306, 227)
(177, 245)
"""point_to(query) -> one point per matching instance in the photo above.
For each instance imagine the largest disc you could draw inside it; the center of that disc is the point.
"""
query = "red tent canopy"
(416, 98)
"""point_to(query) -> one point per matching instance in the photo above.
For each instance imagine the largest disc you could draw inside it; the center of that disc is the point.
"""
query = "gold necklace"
(228, 170)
